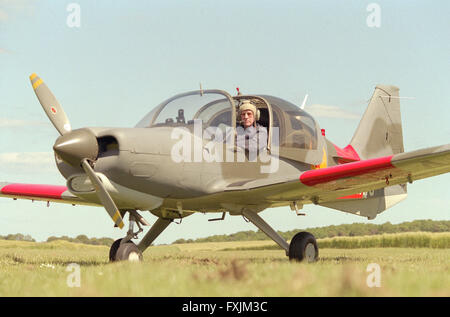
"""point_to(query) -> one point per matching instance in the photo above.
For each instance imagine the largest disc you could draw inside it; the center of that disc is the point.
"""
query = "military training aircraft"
(193, 153)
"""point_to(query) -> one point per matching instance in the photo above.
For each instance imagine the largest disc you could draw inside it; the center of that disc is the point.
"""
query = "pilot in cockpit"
(250, 135)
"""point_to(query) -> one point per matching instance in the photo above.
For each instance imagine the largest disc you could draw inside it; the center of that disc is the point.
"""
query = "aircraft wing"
(331, 183)
(53, 193)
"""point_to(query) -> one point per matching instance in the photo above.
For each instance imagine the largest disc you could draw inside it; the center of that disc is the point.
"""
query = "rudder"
(379, 132)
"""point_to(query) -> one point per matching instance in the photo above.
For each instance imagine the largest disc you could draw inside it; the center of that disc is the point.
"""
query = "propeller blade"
(102, 194)
(50, 105)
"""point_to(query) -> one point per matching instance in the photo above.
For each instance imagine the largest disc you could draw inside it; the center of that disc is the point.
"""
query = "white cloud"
(17, 4)
(9, 8)
(12, 123)
(27, 161)
(327, 111)
(3, 16)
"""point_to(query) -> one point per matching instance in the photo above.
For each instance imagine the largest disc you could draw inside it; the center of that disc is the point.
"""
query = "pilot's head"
(247, 111)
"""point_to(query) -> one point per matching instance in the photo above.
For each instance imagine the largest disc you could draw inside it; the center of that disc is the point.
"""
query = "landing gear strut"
(303, 246)
(126, 250)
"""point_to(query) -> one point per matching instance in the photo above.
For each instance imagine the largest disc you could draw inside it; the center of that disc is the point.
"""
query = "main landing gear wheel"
(127, 251)
(303, 246)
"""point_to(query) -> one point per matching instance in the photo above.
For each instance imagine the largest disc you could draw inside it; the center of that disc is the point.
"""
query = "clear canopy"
(297, 129)
(213, 108)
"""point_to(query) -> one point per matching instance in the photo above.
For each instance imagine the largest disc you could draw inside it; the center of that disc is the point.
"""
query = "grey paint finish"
(76, 145)
(51, 106)
(138, 167)
(380, 131)
(158, 227)
(142, 161)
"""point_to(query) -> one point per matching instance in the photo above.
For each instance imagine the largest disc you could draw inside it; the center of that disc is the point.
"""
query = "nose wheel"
(124, 249)
(113, 250)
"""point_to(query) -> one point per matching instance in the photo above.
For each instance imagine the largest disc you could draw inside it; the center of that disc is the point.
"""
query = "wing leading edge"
(381, 172)
(331, 183)
(53, 193)
(313, 186)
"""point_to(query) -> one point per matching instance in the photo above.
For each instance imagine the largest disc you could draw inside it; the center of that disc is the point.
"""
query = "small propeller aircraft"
(184, 157)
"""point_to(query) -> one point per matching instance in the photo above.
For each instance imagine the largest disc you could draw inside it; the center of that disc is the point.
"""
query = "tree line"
(79, 239)
(18, 237)
(346, 230)
(84, 239)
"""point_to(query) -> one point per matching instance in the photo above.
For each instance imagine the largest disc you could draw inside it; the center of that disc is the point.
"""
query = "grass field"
(220, 269)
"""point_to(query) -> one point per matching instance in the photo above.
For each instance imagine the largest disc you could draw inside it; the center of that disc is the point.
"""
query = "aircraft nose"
(76, 145)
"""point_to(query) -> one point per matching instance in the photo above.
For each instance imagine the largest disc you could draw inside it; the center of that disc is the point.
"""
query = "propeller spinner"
(77, 147)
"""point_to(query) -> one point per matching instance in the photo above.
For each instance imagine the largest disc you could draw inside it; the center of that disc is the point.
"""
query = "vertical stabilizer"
(378, 134)
(380, 131)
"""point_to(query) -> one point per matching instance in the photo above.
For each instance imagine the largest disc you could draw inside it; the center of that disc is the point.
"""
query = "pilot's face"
(247, 118)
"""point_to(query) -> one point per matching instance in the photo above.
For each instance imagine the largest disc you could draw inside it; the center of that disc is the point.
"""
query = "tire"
(303, 246)
(128, 252)
(113, 250)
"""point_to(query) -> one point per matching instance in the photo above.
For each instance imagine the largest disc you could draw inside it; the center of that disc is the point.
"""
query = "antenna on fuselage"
(304, 102)
(201, 90)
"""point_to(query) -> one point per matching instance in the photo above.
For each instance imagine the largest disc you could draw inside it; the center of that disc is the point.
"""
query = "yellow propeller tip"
(33, 76)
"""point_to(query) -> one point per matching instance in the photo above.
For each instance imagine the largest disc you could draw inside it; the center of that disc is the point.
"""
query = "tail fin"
(379, 134)
(380, 131)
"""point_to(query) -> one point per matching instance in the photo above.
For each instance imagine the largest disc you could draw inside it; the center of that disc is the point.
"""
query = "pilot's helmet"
(247, 105)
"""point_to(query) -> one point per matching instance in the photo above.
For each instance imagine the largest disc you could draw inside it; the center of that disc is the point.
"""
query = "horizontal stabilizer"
(370, 204)
(382, 176)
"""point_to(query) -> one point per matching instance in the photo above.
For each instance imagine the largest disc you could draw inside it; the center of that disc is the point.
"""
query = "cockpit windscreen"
(212, 109)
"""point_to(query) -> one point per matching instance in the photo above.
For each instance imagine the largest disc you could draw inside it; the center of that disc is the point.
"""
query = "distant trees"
(18, 237)
(84, 239)
(79, 239)
(346, 230)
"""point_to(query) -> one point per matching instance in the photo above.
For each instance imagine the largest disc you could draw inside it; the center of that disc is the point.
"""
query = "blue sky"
(127, 57)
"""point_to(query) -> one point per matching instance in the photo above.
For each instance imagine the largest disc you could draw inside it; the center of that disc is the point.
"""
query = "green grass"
(440, 240)
(207, 269)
